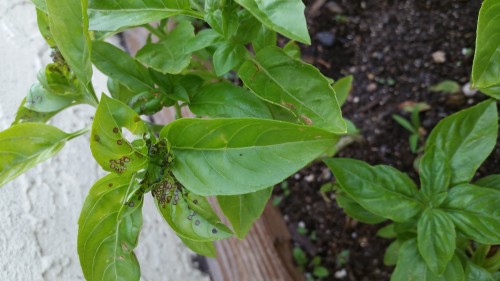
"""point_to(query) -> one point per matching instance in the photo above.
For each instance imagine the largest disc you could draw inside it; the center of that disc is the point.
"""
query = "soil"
(388, 46)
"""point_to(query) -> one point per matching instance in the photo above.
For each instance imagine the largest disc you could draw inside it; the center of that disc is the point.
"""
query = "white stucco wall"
(39, 210)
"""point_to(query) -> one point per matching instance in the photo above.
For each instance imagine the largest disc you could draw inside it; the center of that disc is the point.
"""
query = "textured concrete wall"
(39, 210)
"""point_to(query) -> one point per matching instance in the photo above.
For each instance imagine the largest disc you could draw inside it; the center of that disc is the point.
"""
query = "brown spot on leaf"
(116, 130)
(119, 142)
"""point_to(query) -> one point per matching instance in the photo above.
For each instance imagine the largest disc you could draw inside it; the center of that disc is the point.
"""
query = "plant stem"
(178, 112)
(155, 31)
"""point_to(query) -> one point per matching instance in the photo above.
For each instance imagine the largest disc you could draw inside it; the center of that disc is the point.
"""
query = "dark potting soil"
(396, 50)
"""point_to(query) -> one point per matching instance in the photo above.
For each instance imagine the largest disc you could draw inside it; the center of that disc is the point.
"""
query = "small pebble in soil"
(371, 87)
(354, 235)
(468, 90)
(355, 100)
(341, 274)
(309, 178)
(301, 224)
(326, 38)
(296, 176)
(439, 57)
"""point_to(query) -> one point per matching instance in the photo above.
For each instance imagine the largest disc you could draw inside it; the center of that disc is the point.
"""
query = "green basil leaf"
(466, 138)
(110, 15)
(43, 25)
(475, 272)
(243, 210)
(108, 229)
(475, 212)
(203, 39)
(356, 211)
(68, 24)
(119, 91)
(492, 181)
(25, 115)
(168, 55)
(436, 239)
(411, 266)
(391, 254)
(387, 231)
(22, 146)
(189, 215)
(283, 16)
(41, 100)
(206, 249)
(228, 56)
(486, 65)
(381, 189)
(120, 66)
(248, 29)
(238, 156)
(435, 173)
(342, 88)
(293, 85)
(264, 38)
(109, 147)
(293, 50)
(228, 101)
(40, 5)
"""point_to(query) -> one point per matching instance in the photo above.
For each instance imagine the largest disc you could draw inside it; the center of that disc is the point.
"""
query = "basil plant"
(445, 229)
(266, 115)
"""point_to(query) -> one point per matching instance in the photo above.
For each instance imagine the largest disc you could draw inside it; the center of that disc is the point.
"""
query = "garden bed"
(396, 50)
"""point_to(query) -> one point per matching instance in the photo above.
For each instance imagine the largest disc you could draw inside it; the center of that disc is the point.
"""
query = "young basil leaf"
(189, 215)
(474, 272)
(228, 101)
(492, 181)
(168, 55)
(22, 146)
(120, 66)
(436, 239)
(411, 266)
(108, 229)
(356, 211)
(43, 26)
(391, 253)
(41, 100)
(387, 231)
(228, 56)
(475, 212)
(68, 25)
(342, 88)
(203, 39)
(264, 38)
(109, 147)
(206, 249)
(110, 15)
(487, 57)
(248, 29)
(25, 115)
(286, 82)
(238, 156)
(293, 50)
(119, 91)
(243, 210)
(466, 138)
(381, 189)
(283, 16)
(435, 173)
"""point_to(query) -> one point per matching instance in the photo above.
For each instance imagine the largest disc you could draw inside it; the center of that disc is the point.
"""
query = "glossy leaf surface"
(273, 76)
(435, 172)
(168, 55)
(492, 181)
(108, 230)
(206, 249)
(486, 67)
(68, 25)
(228, 101)
(109, 147)
(228, 56)
(110, 15)
(283, 16)
(343, 88)
(238, 156)
(381, 189)
(466, 138)
(356, 211)
(22, 146)
(411, 266)
(25, 115)
(436, 239)
(41, 100)
(475, 212)
(243, 210)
